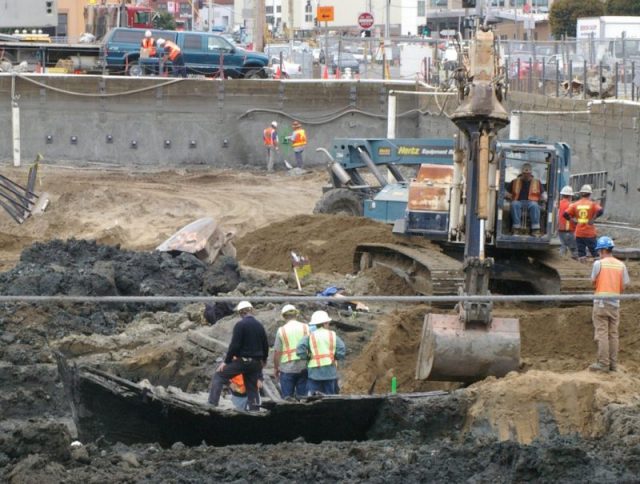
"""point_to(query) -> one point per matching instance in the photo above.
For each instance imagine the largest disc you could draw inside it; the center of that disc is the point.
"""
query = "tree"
(564, 14)
(164, 21)
(623, 7)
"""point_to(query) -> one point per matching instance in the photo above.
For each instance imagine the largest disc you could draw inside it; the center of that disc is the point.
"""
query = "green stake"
(394, 384)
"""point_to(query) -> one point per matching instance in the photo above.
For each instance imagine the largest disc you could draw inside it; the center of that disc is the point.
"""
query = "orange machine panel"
(430, 189)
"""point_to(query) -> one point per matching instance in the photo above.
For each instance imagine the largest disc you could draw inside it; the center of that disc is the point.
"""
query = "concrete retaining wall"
(220, 123)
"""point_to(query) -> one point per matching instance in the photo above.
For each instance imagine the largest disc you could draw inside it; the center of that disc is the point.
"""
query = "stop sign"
(365, 20)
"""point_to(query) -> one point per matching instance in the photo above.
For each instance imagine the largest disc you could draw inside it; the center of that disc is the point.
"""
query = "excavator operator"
(525, 192)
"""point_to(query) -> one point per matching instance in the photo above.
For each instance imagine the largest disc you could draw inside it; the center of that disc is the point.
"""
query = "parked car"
(204, 53)
(343, 61)
(288, 69)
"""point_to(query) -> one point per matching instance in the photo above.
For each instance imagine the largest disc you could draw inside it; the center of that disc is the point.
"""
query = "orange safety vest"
(172, 49)
(299, 138)
(236, 384)
(268, 136)
(610, 279)
(150, 44)
(564, 225)
(322, 343)
(584, 210)
(291, 334)
(535, 189)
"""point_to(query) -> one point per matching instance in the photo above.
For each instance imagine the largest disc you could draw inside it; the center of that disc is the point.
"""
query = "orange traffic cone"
(278, 73)
(338, 74)
(325, 73)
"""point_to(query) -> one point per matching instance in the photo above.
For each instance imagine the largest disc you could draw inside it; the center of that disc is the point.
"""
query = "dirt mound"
(327, 240)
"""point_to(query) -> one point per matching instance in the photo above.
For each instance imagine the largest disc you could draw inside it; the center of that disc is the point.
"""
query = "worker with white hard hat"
(270, 140)
(247, 355)
(290, 368)
(583, 214)
(322, 348)
(566, 228)
(148, 49)
(172, 53)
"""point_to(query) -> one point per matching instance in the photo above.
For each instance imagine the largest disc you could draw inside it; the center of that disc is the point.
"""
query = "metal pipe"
(514, 125)
(493, 194)
(372, 166)
(456, 188)
(552, 113)
(316, 299)
(391, 116)
(481, 240)
(483, 177)
(420, 93)
(15, 122)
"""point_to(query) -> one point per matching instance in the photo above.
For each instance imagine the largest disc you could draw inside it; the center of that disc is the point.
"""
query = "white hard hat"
(274, 124)
(566, 190)
(586, 189)
(160, 41)
(243, 305)
(288, 308)
(148, 33)
(319, 317)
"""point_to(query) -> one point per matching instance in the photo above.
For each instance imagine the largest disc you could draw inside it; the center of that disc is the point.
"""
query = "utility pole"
(258, 26)
(387, 41)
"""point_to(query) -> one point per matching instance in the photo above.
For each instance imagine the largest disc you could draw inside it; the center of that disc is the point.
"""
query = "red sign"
(365, 20)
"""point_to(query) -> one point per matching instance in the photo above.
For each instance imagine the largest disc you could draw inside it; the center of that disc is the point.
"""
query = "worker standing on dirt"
(525, 192)
(566, 228)
(583, 214)
(298, 142)
(609, 276)
(290, 368)
(322, 348)
(270, 139)
(173, 53)
(247, 355)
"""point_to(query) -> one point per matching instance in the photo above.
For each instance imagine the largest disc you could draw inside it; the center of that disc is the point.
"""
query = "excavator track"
(574, 277)
(426, 269)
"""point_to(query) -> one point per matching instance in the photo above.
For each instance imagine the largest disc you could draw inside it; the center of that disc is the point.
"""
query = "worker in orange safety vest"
(173, 53)
(149, 44)
(566, 228)
(584, 213)
(321, 348)
(298, 142)
(609, 276)
(526, 192)
(290, 369)
(270, 140)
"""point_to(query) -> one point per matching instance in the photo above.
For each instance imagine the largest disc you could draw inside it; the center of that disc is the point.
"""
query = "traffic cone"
(278, 73)
(338, 74)
(325, 73)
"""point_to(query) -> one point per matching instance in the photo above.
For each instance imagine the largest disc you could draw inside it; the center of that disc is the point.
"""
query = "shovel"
(288, 165)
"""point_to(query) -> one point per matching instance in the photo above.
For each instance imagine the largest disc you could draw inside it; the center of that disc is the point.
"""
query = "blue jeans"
(328, 387)
(567, 242)
(298, 155)
(583, 244)
(516, 213)
(291, 383)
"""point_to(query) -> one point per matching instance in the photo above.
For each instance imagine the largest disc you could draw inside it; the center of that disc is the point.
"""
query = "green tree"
(164, 21)
(564, 14)
(623, 7)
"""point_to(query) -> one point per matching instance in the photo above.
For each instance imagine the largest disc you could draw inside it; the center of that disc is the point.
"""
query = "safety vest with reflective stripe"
(610, 279)
(268, 136)
(150, 44)
(322, 343)
(299, 138)
(236, 384)
(291, 334)
(535, 189)
(584, 210)
(565, 225)
(172, 49)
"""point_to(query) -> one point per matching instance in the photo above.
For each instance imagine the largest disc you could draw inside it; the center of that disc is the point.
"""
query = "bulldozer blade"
(449, 351)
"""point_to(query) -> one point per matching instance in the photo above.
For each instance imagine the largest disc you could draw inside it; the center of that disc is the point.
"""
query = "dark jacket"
(249, 340)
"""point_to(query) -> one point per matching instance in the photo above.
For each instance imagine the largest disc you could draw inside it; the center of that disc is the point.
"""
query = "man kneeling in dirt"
(322, 348)
(247, 354)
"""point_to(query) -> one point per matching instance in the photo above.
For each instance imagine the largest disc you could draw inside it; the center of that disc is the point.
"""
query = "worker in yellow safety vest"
(609, 276)
(298, 142)
(290, 368)
(321, 348)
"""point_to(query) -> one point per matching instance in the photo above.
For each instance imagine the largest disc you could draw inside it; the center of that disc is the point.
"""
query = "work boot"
(536, 233)
(599, 367)
(613, 367)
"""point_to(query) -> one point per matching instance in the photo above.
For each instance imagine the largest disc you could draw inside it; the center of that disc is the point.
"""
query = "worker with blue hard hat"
(609, 276)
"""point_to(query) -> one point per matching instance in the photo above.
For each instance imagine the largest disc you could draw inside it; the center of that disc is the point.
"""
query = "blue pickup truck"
(203, 54)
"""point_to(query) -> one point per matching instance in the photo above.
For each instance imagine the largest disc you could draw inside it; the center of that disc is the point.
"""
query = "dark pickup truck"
(204, 53)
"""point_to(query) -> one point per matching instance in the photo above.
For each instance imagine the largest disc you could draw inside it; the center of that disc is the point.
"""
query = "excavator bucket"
(449, 351)
(203, 238)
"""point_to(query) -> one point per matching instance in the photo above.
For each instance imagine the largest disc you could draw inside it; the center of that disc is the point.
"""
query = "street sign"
(365, 20)
(447, 33)
(325, 14)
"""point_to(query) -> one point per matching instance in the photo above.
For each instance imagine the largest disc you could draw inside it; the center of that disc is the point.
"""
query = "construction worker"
(609, 276)
(247, 355)
(583, 214)
(270, 139)
(290, 368)
(322, 348)
(566, 228)
(148, 45)
(173, 53)
(525, 192)
(298, 142)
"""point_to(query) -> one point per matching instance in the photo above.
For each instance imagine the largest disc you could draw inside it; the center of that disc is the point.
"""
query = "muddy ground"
(552, 421)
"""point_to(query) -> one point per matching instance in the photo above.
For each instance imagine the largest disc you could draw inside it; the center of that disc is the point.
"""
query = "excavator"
(460, 201)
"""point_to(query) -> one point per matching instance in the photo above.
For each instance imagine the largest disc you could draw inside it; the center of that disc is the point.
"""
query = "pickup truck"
(204, 53)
